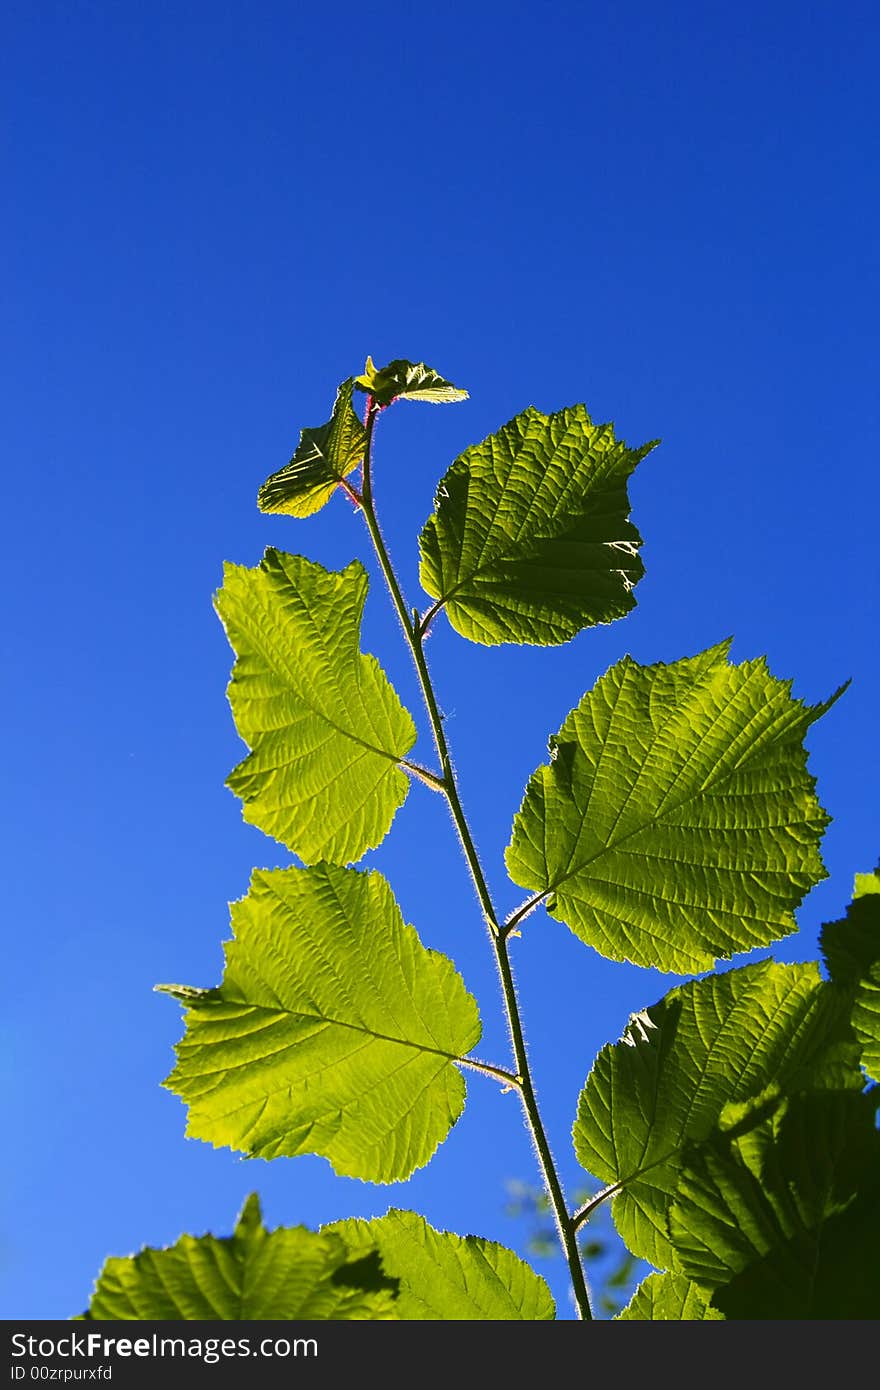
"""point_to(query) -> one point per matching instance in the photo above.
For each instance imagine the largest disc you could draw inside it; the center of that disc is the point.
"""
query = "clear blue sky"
(213, 212)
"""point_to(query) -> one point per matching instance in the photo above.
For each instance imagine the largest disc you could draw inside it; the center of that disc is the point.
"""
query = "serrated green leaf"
(669, 1297)
(334, 1031)
(725, 1037)
(323, 457)
(448, 1277)
(531, 539)
(253, 1274)
(326, 727)
(851, 948)
(778, 1212)
(406, 381)
(676, 822)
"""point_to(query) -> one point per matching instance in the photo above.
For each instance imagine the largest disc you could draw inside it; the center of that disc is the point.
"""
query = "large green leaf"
(445, 1276)
(324, 723)
(778, 1213)
(407, 381)
(669, 1297)
(721, 1038)
(334, 1031)
(676, 821)
(851, 948)
(253, 1274)
(323, 457)
(531, 539)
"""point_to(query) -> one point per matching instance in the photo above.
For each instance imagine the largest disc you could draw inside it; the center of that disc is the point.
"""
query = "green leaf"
(324, 723)
(254, 1274)
(449, 1277)
(851, 948)
(334, 1031)
(531, 539)
(778, 1212)
(406, 381)
(324, 456)
(725, 1037)
(867, 884)
(669, 1297)
(676, 821)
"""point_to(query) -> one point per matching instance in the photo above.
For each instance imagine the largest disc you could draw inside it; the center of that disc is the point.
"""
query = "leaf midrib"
(320, 1018)
(293, 692)
(668, 807)
(337, 728)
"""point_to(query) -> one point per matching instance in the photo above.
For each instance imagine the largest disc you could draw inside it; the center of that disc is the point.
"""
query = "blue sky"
(213, 213)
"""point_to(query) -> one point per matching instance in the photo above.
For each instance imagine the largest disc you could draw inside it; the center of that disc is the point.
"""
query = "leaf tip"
(250, 1218)
(824, 706)
(184, 994)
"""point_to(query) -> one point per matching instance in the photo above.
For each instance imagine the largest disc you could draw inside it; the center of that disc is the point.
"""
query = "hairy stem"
(424, 774)
(565, 1228)
(414, 632)
(523, 911)
(425, 622)
(415, 646)
(509, 1079)
(586, 1211)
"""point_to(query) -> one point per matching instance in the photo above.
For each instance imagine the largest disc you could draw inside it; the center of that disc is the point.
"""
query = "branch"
(414, 632)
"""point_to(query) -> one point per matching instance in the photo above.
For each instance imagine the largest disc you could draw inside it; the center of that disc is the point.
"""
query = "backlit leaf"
(323, 457)
(334, 1031)
(777, 1214)
(324, 723)
(851, 948)
(725, 1037)
(867, 884)
(676, 822)
(669, 1297)
(253, 1274)
(407, 381)
(531, 539)
(445, 1276)
(866, 1021)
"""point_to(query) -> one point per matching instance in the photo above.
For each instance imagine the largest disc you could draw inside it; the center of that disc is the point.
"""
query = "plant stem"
(523, 911)
(415, 646)
(586, 1211)
(565, 1228)
(414, 632)
(424, 774)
